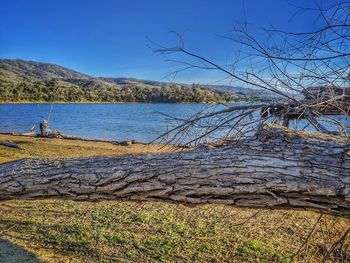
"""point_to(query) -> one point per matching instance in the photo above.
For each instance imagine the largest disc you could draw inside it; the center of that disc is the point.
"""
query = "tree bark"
(275, 168)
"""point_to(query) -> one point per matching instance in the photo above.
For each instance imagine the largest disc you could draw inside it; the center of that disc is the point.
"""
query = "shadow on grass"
(70, 239)
(12, 253)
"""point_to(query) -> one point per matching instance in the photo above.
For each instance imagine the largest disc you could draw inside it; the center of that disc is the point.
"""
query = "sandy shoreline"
(69, 148)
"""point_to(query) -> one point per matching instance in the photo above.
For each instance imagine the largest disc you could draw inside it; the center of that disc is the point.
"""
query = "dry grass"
(68, 231)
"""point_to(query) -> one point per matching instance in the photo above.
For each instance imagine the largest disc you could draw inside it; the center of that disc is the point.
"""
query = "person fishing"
(43, 128)
(45, 124)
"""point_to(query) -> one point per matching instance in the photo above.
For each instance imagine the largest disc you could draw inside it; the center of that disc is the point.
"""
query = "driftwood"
(11, 144)
(68, 137)
(276, 168)
(127, 143)
(328, 100)
(325, 100)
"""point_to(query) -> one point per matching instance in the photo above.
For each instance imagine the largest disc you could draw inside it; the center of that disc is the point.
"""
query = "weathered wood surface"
(276, 168)
(325, 100)
(328, 100)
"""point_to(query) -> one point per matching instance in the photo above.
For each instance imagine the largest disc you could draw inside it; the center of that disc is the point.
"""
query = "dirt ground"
(65, 148)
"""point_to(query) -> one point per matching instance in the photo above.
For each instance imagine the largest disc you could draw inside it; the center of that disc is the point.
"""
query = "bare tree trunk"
(276, 168)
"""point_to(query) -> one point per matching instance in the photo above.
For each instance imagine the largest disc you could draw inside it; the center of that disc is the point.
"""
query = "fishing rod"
(48, 118)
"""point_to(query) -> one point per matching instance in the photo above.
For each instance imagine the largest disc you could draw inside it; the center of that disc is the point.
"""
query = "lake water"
(142, 122)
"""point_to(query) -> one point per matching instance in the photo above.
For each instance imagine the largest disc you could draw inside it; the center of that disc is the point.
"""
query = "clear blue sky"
(108, 37)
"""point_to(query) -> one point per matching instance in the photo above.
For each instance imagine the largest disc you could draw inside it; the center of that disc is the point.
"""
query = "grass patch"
(118, 238)
(144, 218)
(157, 232)
(160, 247)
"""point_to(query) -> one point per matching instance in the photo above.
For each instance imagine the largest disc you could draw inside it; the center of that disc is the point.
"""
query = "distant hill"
(244, 94)
(37, 70)
(122, 81)
(236, 93)
(30, 81)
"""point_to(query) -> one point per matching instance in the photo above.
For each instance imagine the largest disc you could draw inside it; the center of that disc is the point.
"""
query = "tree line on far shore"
(53, 92)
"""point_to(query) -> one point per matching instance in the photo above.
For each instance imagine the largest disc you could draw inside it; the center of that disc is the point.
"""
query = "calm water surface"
(142, 122)
(98, 121)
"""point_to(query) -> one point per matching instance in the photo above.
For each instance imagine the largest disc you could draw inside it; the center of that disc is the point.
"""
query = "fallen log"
(276, 168)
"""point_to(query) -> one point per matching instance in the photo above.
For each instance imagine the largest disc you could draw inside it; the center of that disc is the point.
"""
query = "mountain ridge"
(25, 75)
